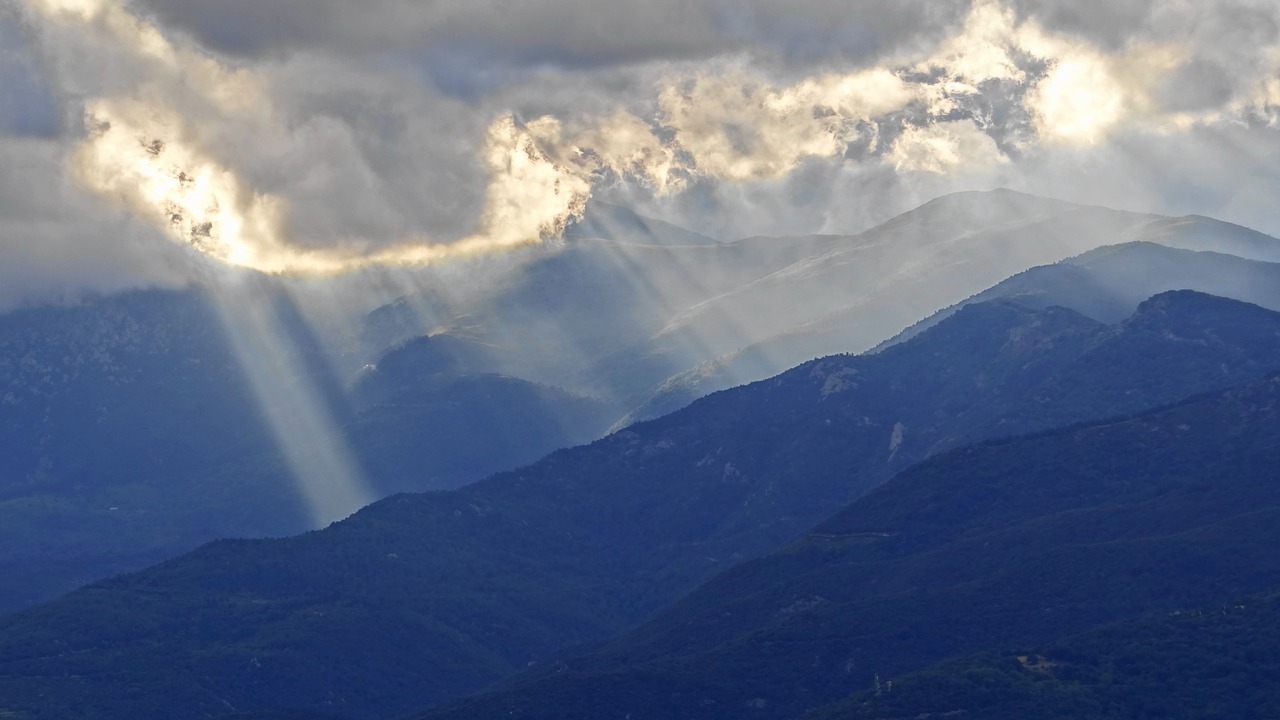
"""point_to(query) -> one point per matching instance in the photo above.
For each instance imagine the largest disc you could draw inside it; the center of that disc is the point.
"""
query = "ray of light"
(727, 123)
(300, 417)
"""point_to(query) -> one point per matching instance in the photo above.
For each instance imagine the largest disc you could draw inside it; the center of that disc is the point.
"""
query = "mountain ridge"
(574, 548)
(1040, 537)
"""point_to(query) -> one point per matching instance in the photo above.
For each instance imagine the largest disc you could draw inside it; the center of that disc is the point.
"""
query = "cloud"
(57, 241)
(567, 33)
(321, 136)
(27, 103)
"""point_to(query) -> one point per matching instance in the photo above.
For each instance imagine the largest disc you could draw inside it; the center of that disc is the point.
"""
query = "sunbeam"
(289, 398)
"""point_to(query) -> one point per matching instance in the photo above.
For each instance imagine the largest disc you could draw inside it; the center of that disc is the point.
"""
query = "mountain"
(572, 314)
(1216, 661)
(612, 222)
(128, 433)
(419, 598)
(654, 316)
(1196, 232)
(132, 428)
(1106, 284)
(223, 412)
(427, 420)
(1008, 544)
(863, 290)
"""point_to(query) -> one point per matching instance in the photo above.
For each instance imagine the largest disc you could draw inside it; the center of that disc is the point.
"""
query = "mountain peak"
(1189, 304)
(995, 201)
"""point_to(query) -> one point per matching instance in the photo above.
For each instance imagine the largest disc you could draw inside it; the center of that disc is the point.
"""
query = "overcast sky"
(314, 135)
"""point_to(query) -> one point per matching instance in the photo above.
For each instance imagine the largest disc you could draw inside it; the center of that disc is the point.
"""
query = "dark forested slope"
(422, 597)
(1008, 544)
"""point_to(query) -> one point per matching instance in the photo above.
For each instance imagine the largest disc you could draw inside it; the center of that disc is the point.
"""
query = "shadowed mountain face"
(1007, 544)
(419, 598)
(128, 432)
(1220, 660)
(131, 430)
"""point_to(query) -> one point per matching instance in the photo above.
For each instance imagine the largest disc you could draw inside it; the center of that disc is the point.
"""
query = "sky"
(143, 142)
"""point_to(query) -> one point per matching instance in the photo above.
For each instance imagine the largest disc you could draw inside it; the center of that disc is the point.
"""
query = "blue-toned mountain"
(419, 598)
(1008, 544)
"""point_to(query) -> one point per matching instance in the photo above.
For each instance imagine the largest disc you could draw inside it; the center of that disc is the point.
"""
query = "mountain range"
(1012, 447)
(1006, 544)
(135, 427)
(419, 598)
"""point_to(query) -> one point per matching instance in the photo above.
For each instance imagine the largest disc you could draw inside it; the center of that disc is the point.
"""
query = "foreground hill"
(1009, 544)
(1215, 661)
(419, 598)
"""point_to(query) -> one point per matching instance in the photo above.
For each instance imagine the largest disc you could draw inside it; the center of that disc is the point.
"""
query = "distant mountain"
(644, 307)
(142, 403)
(1196, 232)
(1106, 284)
(425, 422)
(576, 315)
(128, 432)
(1008, 544)
(131, 430)
(419, 598)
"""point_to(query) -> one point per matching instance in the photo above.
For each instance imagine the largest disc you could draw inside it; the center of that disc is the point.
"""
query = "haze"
(139, 140)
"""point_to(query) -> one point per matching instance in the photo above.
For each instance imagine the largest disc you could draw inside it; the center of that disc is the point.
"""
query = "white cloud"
(322, 135)
(945, 148)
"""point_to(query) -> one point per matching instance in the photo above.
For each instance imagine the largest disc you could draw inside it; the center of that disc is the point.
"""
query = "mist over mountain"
(654, 317)
(1108, 283)
(420, 598)
(134, 429)
(627, 318)
(667, 360)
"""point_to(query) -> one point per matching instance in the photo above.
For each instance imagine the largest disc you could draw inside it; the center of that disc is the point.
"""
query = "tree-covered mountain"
(419, 598)
(1212, 661)
(1009, 544)
(135, 425)
(128, 432)
(131, 430)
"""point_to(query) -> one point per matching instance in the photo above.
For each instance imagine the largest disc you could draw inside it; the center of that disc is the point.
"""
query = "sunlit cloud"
(944, 147)
(170, 129)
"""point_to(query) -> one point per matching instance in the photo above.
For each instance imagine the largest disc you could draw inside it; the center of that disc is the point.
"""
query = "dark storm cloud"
(1198, 85)
(27, 102)
(567, 33)
(1110, 23)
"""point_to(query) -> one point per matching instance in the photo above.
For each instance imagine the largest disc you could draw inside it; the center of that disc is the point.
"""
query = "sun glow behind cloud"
(996, 87)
